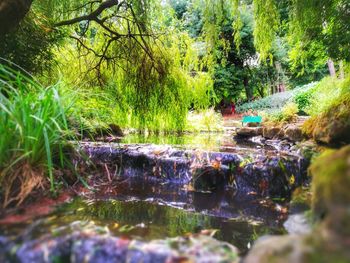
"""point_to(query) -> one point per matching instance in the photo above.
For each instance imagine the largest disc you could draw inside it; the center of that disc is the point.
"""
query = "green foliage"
(30, 45)
(288, 112)
(206, 120)
(325, 93)
(324, 22)
(125, 96)
(32, 130)
(266, 24)
(275, 102)
(303, 100)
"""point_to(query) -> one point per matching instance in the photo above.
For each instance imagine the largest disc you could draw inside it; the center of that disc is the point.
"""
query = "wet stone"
(268, 173)
(247, 132)
(90, 246)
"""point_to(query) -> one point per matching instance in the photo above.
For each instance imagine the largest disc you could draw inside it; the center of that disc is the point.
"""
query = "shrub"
(32, 129)
(289, 111)
(303, 100)
(286, 114)
(324, 95)
(275, 102)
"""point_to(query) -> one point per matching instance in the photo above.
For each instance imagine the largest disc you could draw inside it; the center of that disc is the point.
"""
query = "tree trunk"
(331, 67)
(341, 70)
(11, 13)
(248, 90)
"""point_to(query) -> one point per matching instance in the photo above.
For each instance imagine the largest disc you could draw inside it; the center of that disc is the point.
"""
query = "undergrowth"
(32, 135)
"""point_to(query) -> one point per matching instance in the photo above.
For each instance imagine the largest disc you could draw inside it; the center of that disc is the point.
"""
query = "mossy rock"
(273, 132)
(312, 248)
(333, 126)
(331, 181)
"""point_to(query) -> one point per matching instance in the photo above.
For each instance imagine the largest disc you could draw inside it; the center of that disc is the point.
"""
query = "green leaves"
(266, 24)
(32, 124)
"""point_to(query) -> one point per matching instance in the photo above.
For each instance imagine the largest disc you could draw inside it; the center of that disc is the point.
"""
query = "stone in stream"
(246, 132)
(94, 245)
(247, 170)
(293, 133)
(273, 132)
(208, 178)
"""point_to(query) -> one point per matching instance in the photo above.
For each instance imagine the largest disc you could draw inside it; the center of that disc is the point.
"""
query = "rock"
(333, 126)
(297, 224)
(307, 149)
(208, 178)
(293, 133)
(253, 124)
(246, 170)
(277, 249)
(92, 246)
(273, 133)
(298, 249)
(329, 242)
(247, 132)
(331, 181)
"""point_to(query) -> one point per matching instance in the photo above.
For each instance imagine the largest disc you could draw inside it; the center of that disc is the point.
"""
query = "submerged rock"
(92, 246)
(208, 178)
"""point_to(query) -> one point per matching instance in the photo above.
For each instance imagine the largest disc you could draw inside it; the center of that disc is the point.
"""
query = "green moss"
(331, 180)
(331, 123)
(324, 250)
(302, 196)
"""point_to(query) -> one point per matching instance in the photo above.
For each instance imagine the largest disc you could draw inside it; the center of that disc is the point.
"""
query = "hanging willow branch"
(266, 18)
(123, 23)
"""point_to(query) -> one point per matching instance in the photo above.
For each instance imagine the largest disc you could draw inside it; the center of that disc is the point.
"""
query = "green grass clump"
(32, 130)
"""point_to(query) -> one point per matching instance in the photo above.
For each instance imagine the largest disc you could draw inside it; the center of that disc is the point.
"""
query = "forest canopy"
(198, 52)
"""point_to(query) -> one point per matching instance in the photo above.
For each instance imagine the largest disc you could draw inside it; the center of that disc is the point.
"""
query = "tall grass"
(32, 130)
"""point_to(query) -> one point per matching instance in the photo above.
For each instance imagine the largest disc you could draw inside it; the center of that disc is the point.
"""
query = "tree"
(127, 32)
(11, 13)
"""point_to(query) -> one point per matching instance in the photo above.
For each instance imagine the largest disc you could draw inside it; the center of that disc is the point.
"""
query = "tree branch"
(92, 16)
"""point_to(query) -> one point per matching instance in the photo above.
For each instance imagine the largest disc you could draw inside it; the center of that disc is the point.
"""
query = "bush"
(32, 129)
(286, 114)
(303, 100)
(275, 102)
(324, 94)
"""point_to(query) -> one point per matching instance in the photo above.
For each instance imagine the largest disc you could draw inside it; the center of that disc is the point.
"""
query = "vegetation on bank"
(327, 103)
(33, 134)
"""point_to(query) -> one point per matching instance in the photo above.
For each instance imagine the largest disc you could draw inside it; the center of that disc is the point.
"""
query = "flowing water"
(146, 210)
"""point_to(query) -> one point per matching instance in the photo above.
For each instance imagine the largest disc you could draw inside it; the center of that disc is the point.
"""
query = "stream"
(150, 197)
